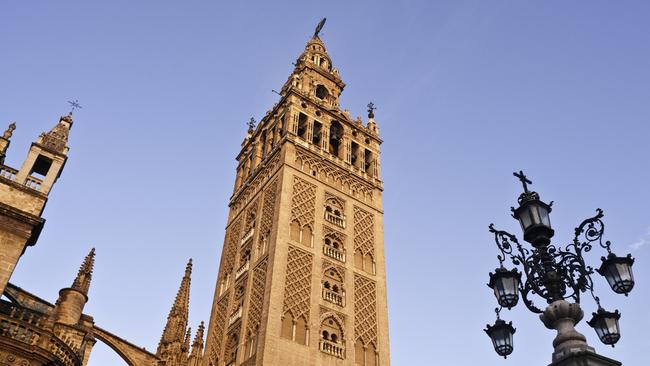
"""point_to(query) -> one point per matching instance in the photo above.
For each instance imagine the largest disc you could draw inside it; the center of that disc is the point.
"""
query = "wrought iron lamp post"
(556, 273)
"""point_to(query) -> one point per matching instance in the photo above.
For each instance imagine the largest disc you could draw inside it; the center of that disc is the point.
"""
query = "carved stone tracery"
(256, 301)
(365, 310)
(364, 232)
(303, 202)
(334, 173)
(298, 283)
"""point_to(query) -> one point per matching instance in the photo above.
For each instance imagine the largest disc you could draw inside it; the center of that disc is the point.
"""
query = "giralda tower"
(302, 279)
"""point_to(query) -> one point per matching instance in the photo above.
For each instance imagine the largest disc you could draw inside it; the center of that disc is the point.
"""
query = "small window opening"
(368, 161)
(302, 126)
(321, 92)
(336, 134)
(355, 152)
(41, 167)
(318, 134)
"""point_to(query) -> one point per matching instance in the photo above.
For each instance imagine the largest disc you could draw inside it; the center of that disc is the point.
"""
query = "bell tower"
(302, 277)
(24, 192)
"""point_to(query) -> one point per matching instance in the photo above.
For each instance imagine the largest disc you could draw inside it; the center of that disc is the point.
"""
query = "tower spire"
(82, 282)
(173, 336)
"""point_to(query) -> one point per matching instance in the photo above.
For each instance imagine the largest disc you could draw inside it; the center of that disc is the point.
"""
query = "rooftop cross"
(251, 123)
(319, 27)
(525, 181)
(74, 104)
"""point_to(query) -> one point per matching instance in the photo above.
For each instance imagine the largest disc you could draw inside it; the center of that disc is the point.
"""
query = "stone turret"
(24, 192)
(174, 343)
(72, 300)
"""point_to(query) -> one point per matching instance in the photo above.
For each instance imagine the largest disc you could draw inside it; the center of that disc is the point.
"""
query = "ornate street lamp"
(606, 325)
(501, 334)
(556, 274)
(618, 272)
(505, 285)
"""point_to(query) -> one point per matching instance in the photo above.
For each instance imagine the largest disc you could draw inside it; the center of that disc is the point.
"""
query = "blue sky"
(467, 92)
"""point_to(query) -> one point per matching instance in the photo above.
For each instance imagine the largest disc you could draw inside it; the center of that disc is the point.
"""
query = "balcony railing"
(333, 297)
(335, 219)
(332, 348)
(334, 253)
(240, 272)
(33, 183)
(248, 236)
(235, 316)
(8, 172)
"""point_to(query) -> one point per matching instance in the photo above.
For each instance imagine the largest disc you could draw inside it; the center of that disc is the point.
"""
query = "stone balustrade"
(33, 183)
(240, 272)
(25, 326)
(335, 219)
(333, 297)
(334, 253)
(248, 236)
(332, 348)
(236, 315)
(8, 172)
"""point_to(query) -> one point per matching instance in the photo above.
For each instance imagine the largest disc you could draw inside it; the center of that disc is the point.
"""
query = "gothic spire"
(177, 319)
(196, 355)
(82, 282)
(197, 345)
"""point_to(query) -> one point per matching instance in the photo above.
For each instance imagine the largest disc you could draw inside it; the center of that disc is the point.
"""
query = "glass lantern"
(501, 334)
(605, 324)
(618, 273)
(505, 284)
(533, 216)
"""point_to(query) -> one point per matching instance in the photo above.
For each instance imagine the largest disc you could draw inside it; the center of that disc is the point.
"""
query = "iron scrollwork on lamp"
(557, 273)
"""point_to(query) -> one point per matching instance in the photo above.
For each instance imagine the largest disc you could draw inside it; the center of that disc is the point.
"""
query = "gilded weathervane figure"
(371, 110)
(74, 104)
(319, 27)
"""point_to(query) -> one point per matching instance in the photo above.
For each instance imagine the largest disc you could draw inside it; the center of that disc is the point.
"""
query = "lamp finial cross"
(524, 180)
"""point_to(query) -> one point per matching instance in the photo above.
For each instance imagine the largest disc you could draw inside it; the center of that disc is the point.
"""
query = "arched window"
(332, 341)
(336, 136)
(233, 344)
(333, 287)
(333, 248)
(334, 212)
(302, 126)
(321, 91)
(287, 326)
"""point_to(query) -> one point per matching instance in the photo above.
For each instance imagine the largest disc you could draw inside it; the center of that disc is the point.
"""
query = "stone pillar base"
(584, 358)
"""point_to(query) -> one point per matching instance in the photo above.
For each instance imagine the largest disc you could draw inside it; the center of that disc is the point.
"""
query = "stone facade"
(302, 279)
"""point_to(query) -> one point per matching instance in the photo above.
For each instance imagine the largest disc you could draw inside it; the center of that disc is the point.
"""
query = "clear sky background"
(467, 92)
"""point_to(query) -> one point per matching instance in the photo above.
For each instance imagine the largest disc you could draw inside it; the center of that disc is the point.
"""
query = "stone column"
(570, 346)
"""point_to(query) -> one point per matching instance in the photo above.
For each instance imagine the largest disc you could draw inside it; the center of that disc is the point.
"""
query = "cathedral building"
(302, 278)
